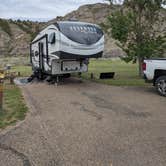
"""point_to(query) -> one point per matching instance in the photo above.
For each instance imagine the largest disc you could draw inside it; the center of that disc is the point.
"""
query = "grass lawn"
(14, 108)
(25, 71)
(126, 74)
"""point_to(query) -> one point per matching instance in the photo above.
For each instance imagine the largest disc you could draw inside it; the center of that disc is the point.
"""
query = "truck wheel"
(161, 85)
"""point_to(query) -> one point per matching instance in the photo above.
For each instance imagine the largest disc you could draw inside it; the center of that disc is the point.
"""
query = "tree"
(135, 27)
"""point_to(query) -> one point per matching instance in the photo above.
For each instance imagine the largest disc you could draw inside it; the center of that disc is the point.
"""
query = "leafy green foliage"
(120, 25)
(147, 49)
(5, 26)
(134, 27)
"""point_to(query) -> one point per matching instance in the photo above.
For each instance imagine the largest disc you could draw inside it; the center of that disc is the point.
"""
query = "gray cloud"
(39, 9)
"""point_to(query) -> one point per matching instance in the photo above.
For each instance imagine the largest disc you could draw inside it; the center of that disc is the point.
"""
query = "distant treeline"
(27, 26)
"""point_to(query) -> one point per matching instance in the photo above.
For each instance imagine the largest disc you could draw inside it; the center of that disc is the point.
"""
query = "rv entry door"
(41, 56)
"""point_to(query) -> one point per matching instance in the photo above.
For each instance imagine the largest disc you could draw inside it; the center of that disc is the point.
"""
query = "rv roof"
(73, 22)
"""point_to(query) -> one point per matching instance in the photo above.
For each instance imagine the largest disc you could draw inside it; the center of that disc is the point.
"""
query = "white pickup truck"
(155, 71)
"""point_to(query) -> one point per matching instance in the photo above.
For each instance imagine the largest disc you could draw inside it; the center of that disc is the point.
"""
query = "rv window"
(81, 32)
(52, 38)
(36, 53)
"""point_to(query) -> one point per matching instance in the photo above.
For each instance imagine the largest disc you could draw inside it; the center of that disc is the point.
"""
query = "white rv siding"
(66, 54)
(81, 49)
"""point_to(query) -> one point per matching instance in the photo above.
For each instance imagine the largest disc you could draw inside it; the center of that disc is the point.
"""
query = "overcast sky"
(39, 9)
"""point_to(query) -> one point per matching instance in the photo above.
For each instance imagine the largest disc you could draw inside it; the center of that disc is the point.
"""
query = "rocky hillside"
(96, 13)
(15, 36)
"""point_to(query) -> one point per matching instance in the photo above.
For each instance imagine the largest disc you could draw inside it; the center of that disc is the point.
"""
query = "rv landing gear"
(39, 75)
(50, 79)
(54, 80)
(30, 79)
(57, 81)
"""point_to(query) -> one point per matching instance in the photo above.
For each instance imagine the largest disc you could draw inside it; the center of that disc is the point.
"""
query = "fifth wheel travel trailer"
(65, 47)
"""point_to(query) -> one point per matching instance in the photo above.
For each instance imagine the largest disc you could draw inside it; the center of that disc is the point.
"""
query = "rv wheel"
(66, 75)
(38, 74)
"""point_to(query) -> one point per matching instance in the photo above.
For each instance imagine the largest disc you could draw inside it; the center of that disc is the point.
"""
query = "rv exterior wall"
(65, 47)
(68, 46)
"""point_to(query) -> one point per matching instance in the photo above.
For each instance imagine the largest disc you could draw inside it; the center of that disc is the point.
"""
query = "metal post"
(1, 95)
(57, 80)
(1, 90)
(12, 78)
(92, 76)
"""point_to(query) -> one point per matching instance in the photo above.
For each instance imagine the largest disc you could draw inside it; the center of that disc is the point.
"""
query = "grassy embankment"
(14, 107)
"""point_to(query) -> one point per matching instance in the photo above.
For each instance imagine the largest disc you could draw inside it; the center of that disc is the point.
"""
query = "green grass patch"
(126, 74)
(14, 108)
(25, 71)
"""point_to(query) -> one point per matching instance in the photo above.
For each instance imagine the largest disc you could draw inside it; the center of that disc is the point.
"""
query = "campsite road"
(88, 124)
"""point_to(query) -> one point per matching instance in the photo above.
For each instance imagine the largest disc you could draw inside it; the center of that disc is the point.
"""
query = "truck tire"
(160, 85)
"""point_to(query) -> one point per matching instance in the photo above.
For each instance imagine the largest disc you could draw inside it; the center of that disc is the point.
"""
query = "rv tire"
(38, 74)
(66, 75)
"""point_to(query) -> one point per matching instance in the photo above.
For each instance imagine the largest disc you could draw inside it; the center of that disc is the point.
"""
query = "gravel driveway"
(87, 124)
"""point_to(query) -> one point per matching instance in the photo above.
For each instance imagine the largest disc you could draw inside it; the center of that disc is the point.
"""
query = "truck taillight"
(144, 66)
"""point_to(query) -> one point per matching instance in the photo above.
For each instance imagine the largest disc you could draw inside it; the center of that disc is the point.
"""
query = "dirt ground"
(87, 124)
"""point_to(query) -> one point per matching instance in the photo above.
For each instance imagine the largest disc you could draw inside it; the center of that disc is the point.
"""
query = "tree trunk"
(140, 61)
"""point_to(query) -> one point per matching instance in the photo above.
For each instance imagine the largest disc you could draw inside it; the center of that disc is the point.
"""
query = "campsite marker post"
(1, 90)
